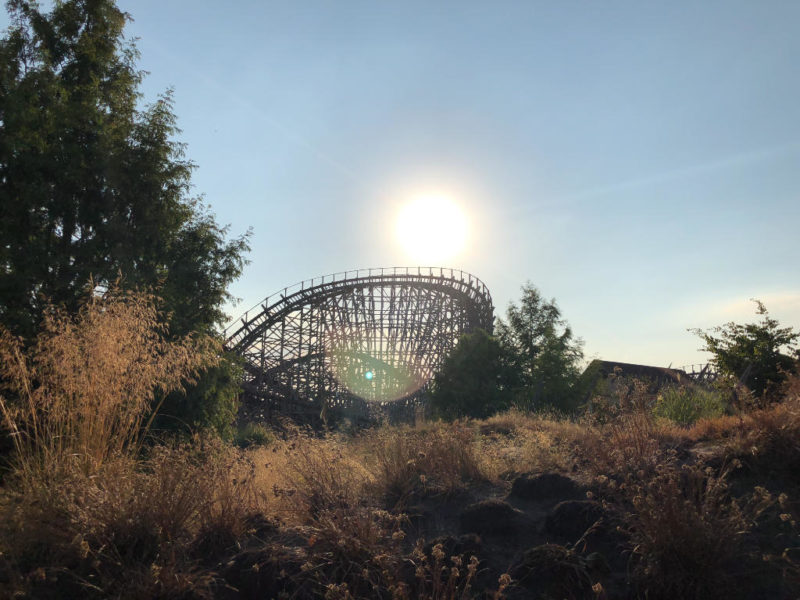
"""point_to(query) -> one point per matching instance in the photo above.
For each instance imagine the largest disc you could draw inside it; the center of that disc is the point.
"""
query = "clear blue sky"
(638, 161)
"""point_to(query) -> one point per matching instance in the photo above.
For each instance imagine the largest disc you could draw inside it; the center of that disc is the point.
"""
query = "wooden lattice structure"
(353, 342)
(705, 373)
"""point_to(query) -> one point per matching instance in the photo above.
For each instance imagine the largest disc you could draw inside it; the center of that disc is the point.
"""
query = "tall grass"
(687, 534)
(437, 459)
(89, 512)
(84, 389)
(82, 509)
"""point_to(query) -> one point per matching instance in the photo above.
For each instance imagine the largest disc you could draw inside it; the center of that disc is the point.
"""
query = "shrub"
(209, 405)
(760, 355)
(687, 533)
(686, 406)
(253, 434)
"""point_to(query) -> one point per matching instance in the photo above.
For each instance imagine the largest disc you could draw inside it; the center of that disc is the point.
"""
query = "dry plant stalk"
(406, 461)
(84, 388)
(688, 532)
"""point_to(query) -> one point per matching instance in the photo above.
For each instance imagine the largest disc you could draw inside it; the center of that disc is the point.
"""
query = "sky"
(636, 161)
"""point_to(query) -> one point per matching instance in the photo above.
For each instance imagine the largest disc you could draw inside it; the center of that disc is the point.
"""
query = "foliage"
(211, 403)
(253, 434)
(542, 352)
(90, 185)
(95, 188)
(685, 406)
(758, 354)
(473, 381)
(83, 390)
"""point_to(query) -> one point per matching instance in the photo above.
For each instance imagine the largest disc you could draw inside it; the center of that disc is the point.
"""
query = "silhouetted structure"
(600, 374)
(354, 343)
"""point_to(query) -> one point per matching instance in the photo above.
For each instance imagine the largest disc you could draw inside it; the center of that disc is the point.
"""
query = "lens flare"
(369, 366)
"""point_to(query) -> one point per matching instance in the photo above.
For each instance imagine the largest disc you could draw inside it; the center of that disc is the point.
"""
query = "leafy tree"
(211, 403)
(474, 380)
(542, 352)
(92, 186)
(759, 354)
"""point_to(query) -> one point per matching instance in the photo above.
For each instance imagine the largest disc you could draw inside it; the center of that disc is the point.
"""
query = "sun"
(432, 229)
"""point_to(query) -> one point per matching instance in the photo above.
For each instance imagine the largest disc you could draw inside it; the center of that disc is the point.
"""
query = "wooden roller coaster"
(354, 344)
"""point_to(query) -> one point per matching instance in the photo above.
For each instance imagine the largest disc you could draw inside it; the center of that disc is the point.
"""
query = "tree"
(212, 402)
(93, 187)
(473, 381)
(542, 351)
(758, 354)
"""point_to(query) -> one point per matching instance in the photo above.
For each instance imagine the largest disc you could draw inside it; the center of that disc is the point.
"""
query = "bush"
(253, 434)
(686, 406)
(209, 405)
(688, 535)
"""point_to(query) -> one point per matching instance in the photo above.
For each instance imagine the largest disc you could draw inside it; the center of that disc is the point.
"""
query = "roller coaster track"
(351, 341)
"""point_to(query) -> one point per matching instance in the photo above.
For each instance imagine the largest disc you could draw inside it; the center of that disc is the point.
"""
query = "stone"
(491, 517)
(570, 519)
(547, 487)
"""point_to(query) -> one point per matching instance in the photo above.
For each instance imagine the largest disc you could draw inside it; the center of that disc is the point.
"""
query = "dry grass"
(81, 393)
(387, 466)
(765, 440)
(82, 508)
(312, 475)
(135, 528)
(631, 442)
(687, 534)
(437, 459)
(89, 512)
(515, 442)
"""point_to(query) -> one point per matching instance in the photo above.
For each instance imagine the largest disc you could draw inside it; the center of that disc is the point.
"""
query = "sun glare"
(431, 229)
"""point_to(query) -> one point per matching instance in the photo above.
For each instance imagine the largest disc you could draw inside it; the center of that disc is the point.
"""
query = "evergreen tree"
(474, 380)
(542, 351)
(92, 186)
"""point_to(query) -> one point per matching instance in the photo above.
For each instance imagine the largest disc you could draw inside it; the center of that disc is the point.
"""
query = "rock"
(261, 573)
(491, 517)
(543, 488)
(556, 571)
(570, 519)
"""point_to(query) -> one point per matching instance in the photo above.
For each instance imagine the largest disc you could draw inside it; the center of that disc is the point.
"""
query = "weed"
(685, 406)
(686, 532)
(253, 434)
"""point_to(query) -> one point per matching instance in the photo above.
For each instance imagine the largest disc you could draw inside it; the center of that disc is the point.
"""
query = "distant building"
(602, 377)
